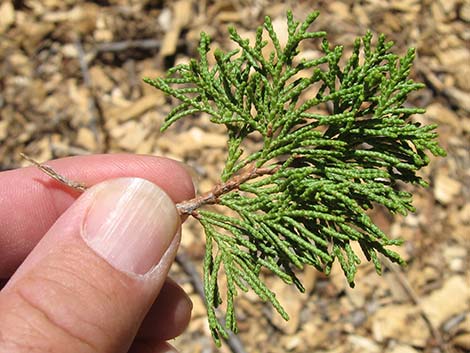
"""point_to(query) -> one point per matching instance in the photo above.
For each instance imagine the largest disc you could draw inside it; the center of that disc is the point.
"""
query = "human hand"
(96, 280)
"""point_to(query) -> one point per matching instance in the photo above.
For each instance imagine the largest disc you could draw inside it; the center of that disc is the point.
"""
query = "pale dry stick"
(416, 301)
(56, 176)
(122, 46)
(184, 208)
(129, 44)
(63, 151)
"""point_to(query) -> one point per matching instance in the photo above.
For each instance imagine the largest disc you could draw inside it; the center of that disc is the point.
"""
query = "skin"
(99, 308)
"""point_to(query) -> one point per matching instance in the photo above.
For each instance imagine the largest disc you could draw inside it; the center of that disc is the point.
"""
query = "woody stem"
(189, 207)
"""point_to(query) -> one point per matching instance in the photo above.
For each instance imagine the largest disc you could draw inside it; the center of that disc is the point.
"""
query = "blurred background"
(70, 84)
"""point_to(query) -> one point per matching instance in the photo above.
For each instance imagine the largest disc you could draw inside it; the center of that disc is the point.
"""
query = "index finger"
(31, 201)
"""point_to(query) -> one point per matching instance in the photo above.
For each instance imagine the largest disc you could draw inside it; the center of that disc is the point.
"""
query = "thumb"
(89, 283)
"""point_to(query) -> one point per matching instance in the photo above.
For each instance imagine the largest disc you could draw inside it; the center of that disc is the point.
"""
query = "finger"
(169, 315)
(31, 201)
(92, 278)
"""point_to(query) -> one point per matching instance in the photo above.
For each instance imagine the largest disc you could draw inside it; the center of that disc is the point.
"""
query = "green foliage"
(325, 170)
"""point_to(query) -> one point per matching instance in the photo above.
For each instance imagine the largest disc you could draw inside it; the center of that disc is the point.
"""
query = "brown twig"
(188, 207)
(212, 197)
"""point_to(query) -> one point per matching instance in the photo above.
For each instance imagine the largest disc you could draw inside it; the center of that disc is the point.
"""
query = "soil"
(70, 84)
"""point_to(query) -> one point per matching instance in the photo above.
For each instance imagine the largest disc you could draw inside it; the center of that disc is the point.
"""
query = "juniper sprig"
(301, 199)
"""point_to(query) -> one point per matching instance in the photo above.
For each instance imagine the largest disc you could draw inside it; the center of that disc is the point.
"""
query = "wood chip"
(363, 344)
(401, 348)
(439, 113)
(449, 300)
(87, 139)
(462, 341)
(7, 17)
(3, 129)
(135, 109)
(401, 321)
(182, 14)
(446, 189)
(129, 135)
(286, 294)
(100, 79)
(464, 12)
(459, 98)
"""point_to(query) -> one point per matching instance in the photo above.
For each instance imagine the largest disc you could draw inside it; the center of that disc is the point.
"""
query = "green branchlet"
(326, 170)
